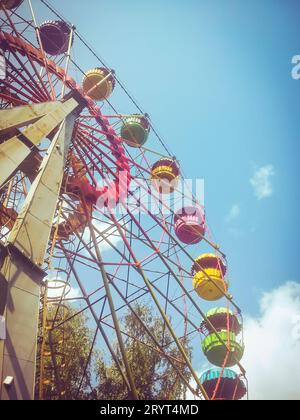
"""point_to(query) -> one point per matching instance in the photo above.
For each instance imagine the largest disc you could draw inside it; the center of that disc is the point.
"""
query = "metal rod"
(68, 60)
(42, 49)
(163, 314)
(153, 338)
(188, 295)
(101, 329)
(43, 344)
(112, 308)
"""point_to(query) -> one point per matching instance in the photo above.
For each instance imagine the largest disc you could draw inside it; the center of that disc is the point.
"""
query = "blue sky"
(215, 76)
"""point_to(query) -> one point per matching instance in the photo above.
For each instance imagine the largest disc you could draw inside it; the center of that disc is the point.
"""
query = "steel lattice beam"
(21, 259)
(16, 149)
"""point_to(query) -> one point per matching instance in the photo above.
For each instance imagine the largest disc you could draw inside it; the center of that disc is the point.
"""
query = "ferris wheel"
(92, 199)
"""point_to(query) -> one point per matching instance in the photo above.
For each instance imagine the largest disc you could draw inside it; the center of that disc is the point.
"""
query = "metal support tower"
(22, 257)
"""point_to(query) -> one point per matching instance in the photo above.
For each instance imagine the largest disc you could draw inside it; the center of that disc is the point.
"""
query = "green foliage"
(154, 375)
(66, 353)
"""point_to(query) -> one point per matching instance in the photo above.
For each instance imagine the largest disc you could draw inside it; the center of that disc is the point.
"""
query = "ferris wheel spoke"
(90, 140)
(158, 349)
(29, 57)
(105, 279)
(181, 247)
(41, 84)
(115, 321)
(30, 79)
(172, 302)
(201, 312)
(163, 314)
(87, 362)
(19, 91)
(163, 259)
(83, 159)
(42, 50)
(94, 158)
(24, 83)
(136, 286)
(95, 129)
(167, 265)
(11, 100)
(68, 60)
(99, 326)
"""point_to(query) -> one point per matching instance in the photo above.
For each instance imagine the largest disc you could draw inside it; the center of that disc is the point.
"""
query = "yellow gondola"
(209, 271)
(98, 84)
(165, 175)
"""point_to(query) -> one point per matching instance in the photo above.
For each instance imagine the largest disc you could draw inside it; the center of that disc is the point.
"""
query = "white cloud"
(56, 290)
(261, 182)
(272, 346)
(232, 221)
(272, 343)
(108, 231)
(234, 213)
(189, 395)
(74, 293)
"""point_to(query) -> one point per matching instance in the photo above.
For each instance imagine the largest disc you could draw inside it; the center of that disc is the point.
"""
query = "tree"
(70, 369)
(154, 375)
(65, 368)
